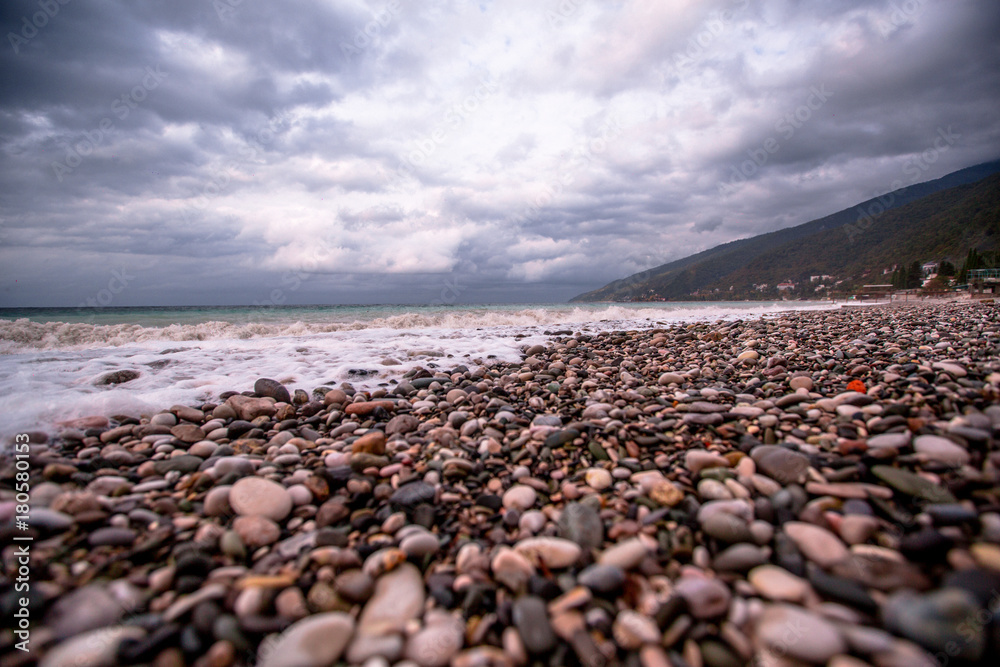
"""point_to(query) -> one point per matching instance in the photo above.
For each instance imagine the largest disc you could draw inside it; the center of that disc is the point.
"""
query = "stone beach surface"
(812, 488)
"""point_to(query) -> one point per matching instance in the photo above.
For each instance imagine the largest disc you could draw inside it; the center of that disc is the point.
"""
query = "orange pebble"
(856, 385)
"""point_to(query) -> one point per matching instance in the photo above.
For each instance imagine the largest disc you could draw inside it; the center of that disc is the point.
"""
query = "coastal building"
(930, 269)
(786, 286)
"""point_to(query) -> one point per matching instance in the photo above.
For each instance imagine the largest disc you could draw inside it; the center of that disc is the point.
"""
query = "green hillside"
(740, 264)
(943, 226)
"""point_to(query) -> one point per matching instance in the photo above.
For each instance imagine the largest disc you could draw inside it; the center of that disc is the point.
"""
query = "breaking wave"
(24, 334)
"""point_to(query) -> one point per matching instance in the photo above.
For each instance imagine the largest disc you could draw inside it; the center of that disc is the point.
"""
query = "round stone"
(727, 527)
(372, 442)
(554, 552)
(631, 630)
(315, 641)
(413, 494)
(217, 501)
(801, 382)
(354, 585)
(256, 530)
(519, 497)
(797, 633)
(532, 622)
(581, 524)
(602, 578)
(942, 450)
(938, 621)
(112, 536)
(817, 544)
(626, 555)
(511, 568)
(713, 489)
(706, 598)
(398, 598)
(670, 378)
(98, 647)
(252, 496)
(781, 464)
(741, 557)
(666, 493)
(437, 643)
(598, 479)
(889, 441)
(777, 583)
(268, 388)
(420, 544)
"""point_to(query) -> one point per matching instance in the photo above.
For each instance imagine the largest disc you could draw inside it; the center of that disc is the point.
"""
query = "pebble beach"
(807, 488)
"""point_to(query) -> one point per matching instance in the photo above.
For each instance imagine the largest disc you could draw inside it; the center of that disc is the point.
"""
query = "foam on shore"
(50, 370)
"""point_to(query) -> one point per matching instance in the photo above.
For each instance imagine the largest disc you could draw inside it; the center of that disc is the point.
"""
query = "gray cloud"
(389, 151)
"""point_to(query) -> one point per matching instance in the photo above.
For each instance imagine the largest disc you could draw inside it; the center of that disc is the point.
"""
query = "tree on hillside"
(898, 279)
(946, 268)
(937, 284)
(972, 261)
(914, 275)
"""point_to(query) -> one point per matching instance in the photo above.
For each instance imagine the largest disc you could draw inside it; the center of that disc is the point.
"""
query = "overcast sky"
(308, 151)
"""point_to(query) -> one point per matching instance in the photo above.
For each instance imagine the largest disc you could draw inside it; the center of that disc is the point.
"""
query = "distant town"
(979, 275)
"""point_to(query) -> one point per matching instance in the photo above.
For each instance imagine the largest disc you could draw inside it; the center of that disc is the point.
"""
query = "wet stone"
(817, 544)
(258, 496)
(115, 537)
(781, 464)
(942, 450)
(519, 497)
(602, 579)
(800, 634)
(410, 495)
(705, 598)
(315, 641)
(398, 598)
(268, 388)
(581, 524)
(531, 619)
(912, 484)
(938, 621)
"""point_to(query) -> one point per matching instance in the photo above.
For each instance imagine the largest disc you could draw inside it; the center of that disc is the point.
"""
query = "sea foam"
(50, 372)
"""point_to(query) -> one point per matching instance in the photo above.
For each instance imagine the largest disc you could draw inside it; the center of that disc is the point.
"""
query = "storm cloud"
(251, 152)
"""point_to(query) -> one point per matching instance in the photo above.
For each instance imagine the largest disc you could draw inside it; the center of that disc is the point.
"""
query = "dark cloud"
(396, 151)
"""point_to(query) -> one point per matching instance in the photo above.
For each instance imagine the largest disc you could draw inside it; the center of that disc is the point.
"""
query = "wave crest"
(24, 334)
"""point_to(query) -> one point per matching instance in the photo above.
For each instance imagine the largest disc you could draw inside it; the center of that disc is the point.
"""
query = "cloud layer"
(237, 151)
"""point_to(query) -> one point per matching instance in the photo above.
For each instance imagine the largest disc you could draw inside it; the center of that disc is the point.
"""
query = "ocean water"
(51, 359)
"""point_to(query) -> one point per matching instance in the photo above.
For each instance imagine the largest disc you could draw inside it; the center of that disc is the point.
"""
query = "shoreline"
(694, 489)
(66, 367)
